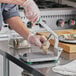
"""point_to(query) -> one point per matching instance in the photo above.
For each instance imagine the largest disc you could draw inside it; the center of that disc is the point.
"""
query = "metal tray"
(62, 39)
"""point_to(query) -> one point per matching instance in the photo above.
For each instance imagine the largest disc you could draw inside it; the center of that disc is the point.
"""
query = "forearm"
(17, 25)
(18, 2)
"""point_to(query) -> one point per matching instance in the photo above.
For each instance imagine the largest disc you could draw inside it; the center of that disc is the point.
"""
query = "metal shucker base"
(41, 57)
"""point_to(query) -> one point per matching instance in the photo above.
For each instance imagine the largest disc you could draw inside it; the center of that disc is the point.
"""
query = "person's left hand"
(40, 41)
(36, 40)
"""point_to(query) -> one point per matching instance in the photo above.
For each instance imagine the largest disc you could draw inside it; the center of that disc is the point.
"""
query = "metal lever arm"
(51, 31)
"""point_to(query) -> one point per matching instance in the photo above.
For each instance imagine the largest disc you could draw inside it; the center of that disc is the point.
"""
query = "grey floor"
(14, 69)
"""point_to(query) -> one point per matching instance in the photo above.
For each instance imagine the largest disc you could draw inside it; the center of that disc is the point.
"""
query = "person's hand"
(40, 41)
(31, 10)
(36, 40)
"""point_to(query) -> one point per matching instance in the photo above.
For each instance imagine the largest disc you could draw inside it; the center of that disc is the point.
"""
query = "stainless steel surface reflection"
(44, 68)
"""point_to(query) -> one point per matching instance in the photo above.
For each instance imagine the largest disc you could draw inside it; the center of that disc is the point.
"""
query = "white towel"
(67, 69)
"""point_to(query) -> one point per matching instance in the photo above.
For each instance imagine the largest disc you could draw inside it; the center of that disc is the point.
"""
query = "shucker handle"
(51, 32)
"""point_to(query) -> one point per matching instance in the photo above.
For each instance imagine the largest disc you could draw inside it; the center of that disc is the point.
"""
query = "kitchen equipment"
(39, 56)
(56, 15)
(51, 32)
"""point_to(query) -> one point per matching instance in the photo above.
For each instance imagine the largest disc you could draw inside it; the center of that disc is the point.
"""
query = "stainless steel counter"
(38, 69)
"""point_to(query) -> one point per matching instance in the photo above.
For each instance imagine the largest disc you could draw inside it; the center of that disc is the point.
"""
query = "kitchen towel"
(67, 69)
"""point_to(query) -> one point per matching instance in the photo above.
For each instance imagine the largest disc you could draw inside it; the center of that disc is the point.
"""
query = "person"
(9, 13)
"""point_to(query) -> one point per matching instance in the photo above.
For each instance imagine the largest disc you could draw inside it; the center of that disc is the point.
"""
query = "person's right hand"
(31, 10)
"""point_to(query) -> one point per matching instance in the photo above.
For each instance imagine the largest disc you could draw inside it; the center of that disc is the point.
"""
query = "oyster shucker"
(39, 57)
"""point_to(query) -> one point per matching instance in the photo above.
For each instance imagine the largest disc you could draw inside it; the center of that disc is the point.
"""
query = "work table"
(44, 69)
